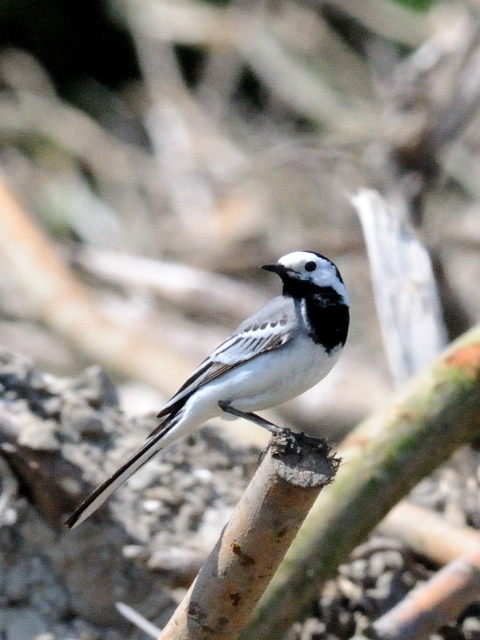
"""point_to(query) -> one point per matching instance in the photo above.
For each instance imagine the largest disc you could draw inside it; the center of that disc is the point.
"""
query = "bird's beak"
(275, 267)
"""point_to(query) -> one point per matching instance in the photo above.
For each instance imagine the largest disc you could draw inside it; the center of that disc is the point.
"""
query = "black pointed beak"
(275, 267)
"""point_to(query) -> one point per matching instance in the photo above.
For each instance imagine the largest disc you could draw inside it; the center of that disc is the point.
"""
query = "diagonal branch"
(384, 457)
(253, 543)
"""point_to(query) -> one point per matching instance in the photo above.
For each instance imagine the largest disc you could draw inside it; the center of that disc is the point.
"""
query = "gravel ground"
(60, 437)
(383, 570)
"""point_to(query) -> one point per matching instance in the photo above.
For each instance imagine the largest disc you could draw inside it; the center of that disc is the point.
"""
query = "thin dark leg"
(252, 417)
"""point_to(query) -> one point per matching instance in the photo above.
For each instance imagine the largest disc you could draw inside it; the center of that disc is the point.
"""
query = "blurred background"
(153, 153)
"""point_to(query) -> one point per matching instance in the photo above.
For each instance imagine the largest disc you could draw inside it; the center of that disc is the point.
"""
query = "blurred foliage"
(419, 5)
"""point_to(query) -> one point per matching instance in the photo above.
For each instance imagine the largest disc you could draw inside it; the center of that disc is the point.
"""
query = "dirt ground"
(61, 437)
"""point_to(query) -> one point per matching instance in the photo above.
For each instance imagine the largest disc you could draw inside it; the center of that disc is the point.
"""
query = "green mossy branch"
(382, 459)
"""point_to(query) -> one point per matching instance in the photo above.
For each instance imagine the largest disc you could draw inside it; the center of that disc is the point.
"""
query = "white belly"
(272, 378)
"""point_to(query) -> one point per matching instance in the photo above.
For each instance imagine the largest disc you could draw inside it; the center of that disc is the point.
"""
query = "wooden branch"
(428, 533)
(254, 541)
(138, 620)
(300, 88)
(199, 291)
(433, 604)
(384, 457)
(406, 295)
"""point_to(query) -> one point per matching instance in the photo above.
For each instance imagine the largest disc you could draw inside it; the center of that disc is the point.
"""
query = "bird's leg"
(252, 417)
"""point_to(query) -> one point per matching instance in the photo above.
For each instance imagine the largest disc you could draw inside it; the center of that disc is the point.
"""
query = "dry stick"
(383, 458)
(387, 19)
(61, 301)
(108, 158)
(433, 604)
(200, 291)
(428, 533)
(253, 543)
(406, 294)
(281, 71)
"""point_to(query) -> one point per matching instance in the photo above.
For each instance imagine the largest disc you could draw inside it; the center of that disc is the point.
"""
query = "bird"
(279, 352)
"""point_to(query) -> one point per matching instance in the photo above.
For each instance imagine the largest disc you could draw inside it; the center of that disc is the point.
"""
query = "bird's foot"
(252, 417)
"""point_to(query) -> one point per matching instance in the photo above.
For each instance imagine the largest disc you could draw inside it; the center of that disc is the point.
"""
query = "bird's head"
(307, 272)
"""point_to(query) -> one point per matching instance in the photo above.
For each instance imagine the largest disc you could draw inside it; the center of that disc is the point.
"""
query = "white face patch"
(324, 274)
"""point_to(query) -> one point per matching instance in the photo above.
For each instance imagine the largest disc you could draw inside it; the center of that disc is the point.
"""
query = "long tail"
(103, 491)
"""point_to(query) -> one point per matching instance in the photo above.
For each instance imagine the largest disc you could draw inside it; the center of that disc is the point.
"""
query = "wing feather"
(255, 336)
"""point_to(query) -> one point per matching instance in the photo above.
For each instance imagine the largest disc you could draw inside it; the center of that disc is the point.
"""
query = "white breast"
(273, 377)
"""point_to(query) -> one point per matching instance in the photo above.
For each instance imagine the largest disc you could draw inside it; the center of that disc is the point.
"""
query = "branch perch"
(253, 543)
(384, 457)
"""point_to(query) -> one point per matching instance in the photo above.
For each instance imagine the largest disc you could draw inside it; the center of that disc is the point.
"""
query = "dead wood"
(60, 300)
(385, 456)
(428, 533)
(254, 541)
(432, 605)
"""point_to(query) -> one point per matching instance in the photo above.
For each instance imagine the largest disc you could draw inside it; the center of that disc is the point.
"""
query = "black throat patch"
(328, 322)
(326, 313)
(327, 317)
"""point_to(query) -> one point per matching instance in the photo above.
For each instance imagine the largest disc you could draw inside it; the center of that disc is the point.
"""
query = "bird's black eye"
(310, 266)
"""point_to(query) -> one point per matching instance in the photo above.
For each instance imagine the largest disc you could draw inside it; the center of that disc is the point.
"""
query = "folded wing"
(270, 328)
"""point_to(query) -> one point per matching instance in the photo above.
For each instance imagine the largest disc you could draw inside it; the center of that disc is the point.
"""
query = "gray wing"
(270, 328)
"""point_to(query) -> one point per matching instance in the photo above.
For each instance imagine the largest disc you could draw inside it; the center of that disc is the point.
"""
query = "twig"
(222, 71)
(110, 159)
(254, 541)
(169, 124)
(178, 567)
(463, 165)
(384, 457)
(137, 619)
(8, 491)
(200, 291)
(429, 534)
(61, 301)
(433, 604)
(121, 171)
(284, 74)
(392, 21)
(305, 91)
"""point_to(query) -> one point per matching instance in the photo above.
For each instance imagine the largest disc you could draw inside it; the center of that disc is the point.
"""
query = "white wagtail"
(276, 354)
